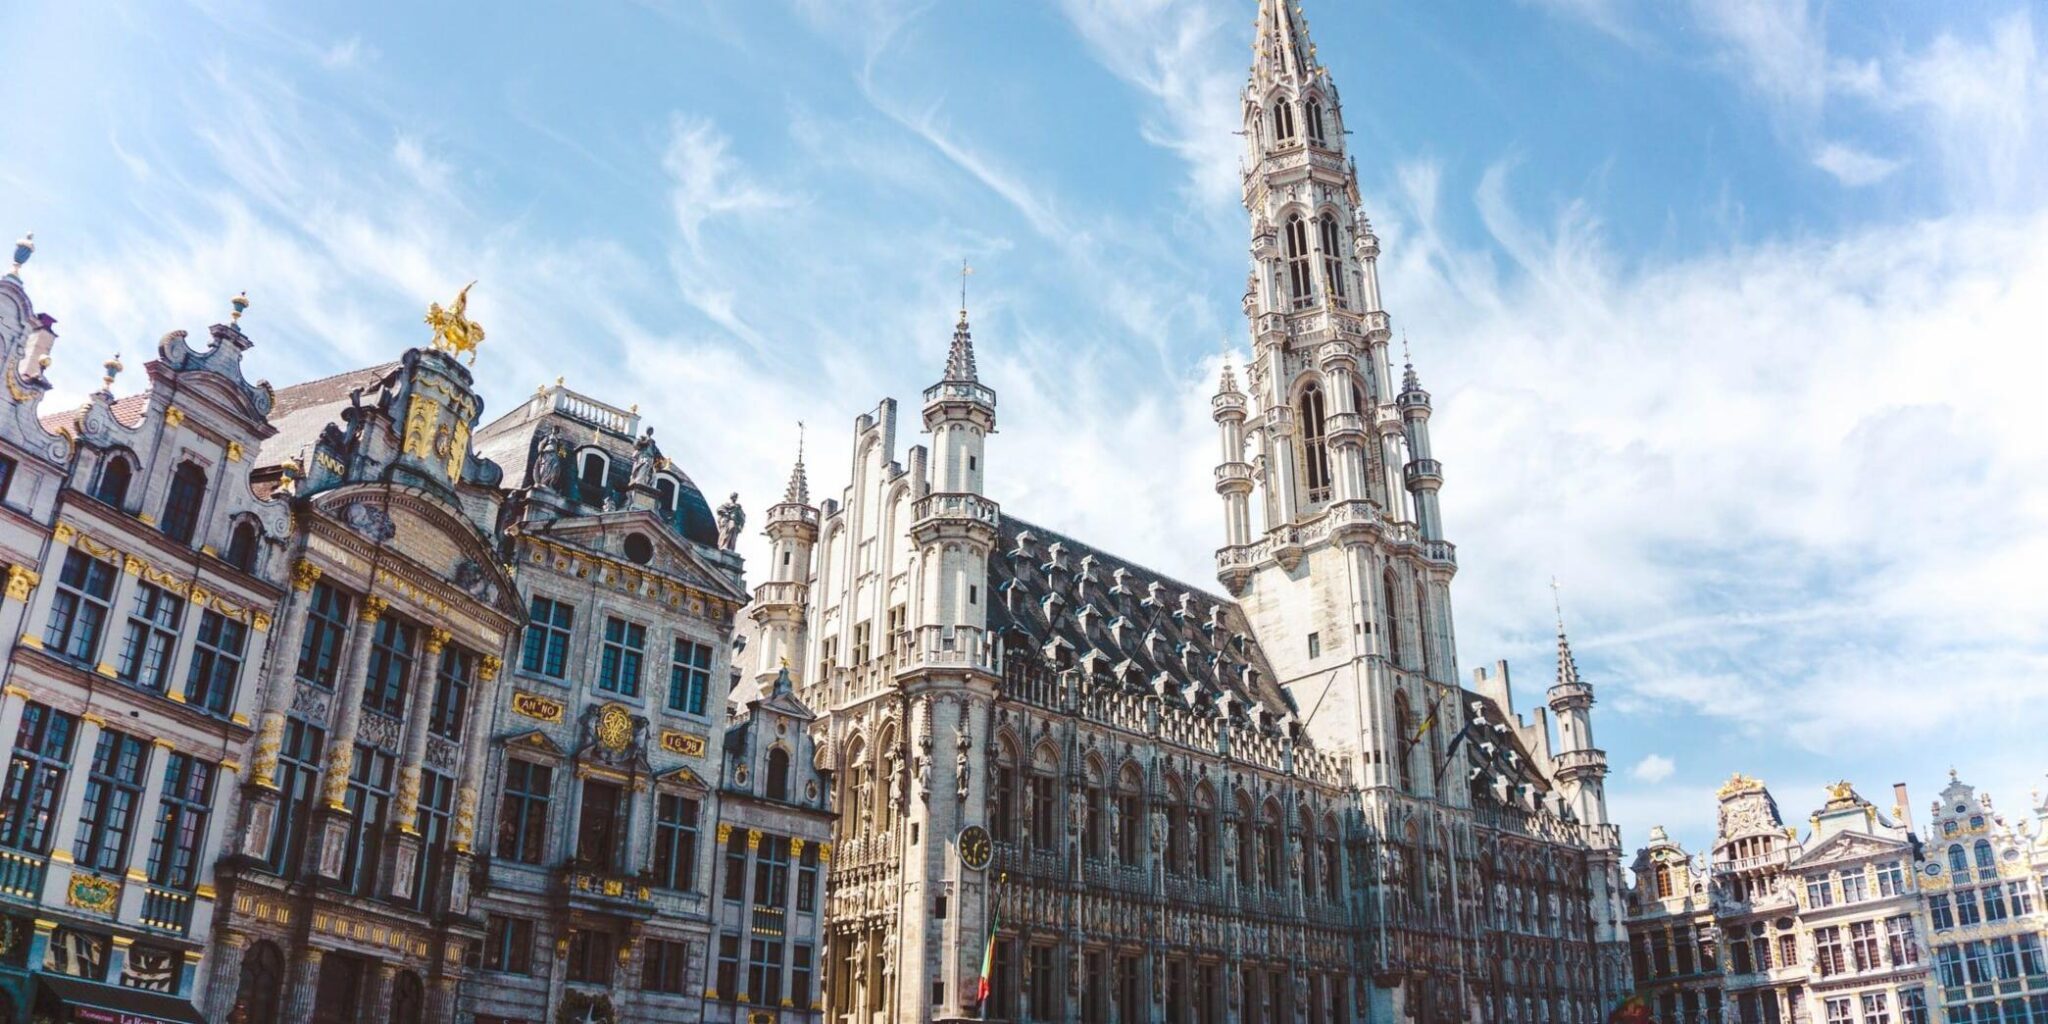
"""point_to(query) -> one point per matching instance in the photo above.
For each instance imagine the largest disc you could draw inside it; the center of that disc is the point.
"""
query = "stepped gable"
(1119, 621)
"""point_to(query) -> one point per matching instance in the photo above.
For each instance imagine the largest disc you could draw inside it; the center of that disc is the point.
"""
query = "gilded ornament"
(487, 669)
(454, 332)
(537, 707)
(304, 575)
(614, 727)
(21, 581)
(682, 743)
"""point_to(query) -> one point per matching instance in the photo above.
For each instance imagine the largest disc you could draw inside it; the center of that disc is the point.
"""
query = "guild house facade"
(1137, 800)
(1863, 921)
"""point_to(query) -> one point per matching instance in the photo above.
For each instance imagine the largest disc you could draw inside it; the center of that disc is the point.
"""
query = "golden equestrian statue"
(455, 333)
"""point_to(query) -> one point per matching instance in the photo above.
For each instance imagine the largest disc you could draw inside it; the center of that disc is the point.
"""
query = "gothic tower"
(782, 601)
(1347, 582)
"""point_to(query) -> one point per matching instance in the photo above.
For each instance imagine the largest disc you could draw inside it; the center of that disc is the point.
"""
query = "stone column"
(302, 987)
(222, 975)
(462, 838)
(275, 700)
(341, 739)
(405, 845)
(57, 881)
(381, 978)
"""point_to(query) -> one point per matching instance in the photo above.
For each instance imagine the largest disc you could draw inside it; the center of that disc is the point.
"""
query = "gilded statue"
(454, 332)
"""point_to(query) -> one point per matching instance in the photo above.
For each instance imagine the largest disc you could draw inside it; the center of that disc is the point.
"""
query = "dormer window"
(665, 494)
(778, 774)
(181, 507)
(590, 483)
(115, 475)
(242, 546)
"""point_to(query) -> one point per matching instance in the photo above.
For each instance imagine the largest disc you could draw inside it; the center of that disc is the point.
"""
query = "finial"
(113, 367)
(799, 442)
(965, 270)
(241, 305)
(23, 249)
(1407, 359)
(558, 381)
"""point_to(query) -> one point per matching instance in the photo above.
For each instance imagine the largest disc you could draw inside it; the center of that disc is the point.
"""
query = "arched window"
(778, 774)
(1315, 120)
(1315, 449)
(1270, 850)
(1130, 819)
(408, 998)
(1004, 824)
(1958, 862)
(1333, 257)
(1987, 866)
(1663, 881)
(262, 982)
(1247, 860)
(1299, 287)
(665, 491)
(1283, 121)
(181, 507)
(1390, 623)
(115, 474)
(1404, 727)
(590, 484)
(242, 546)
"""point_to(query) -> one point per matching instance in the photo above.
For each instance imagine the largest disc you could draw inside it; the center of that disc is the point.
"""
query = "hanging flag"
(988, 956)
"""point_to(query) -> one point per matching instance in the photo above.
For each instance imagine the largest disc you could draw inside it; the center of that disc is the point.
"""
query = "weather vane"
(1557, 601)
(964, 271)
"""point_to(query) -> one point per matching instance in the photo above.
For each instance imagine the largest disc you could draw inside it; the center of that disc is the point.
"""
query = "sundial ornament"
(454, 332)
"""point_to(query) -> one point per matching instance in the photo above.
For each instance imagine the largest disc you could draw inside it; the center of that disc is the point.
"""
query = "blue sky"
(1734, 311)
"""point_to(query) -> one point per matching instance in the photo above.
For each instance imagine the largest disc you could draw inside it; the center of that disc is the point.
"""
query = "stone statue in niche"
(550, 456)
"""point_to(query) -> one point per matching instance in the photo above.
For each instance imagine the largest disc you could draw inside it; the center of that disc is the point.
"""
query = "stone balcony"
(601, 890)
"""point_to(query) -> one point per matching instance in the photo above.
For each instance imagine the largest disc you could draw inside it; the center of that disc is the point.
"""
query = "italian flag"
(988, 963)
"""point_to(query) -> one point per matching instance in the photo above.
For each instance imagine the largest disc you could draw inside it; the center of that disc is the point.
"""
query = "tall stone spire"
(1282, 51)
(960, 357)
(799, 490)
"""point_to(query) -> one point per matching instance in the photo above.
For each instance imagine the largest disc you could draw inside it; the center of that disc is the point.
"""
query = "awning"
(92, 1002)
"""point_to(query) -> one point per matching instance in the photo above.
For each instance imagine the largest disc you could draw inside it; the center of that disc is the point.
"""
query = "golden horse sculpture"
(454, 332)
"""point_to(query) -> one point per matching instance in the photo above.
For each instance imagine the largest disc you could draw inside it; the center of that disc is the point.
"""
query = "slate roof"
(1112, 618)
(302, 411)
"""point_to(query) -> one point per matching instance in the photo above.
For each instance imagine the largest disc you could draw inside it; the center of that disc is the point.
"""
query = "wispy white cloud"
(1852, 166)
(707, 181)
(1653, 768)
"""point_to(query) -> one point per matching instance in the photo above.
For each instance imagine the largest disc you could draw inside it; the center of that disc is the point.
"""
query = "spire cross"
(964, 271)
(1557, 601)
(799, 442)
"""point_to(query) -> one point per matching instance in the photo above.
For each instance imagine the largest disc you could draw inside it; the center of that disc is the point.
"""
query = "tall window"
(320, 651)
(764, 972)
(778, 774)
(1404, 727)
(736, 864)
(242, 546)
(665, 496)
(1855, 885)
(152, 638)
(807, 879)
(180, 839)
(508, 944)
(523, 811)
(1269, 854)
(216, 663)
(432, 818)
(1299, 286)
(1091, 827)
(451, 692)
(618, 668)
(1283, 121)
(1315, 120)
(1390, 620)
(1131, 810)
(1987, 865)
(675, 842)
(597, 829)
(79, 608)
(1913, 1005)
(1900, 942)
(1005, 824)
(726, 982)
(298, 786)
(114, 478)
(546, 648)
(590, 956)
(1043, 811)
(664, 966)
(181, 506)
(800, 969)
(391, 654)
(113, 791)
(369, 807)
(1315, 449)
(771, 872)
(689, 676)
(1863, 945)
(1204, 863)
(35, 778)
(1827, 951)
(1333, 257)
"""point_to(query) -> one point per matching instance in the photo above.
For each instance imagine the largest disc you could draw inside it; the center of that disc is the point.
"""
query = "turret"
(1580, 766)
(954, 526)
(781, 601)
(1423, 475)
(1233, 473)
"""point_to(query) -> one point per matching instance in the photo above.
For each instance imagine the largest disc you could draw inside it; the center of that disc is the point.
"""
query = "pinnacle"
(799, 490)
(960, 358)
(1567, 665)
(1282, 48)
(1228, 385)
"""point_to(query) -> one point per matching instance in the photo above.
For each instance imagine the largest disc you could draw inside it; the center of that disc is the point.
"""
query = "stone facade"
(1144, 802)
(1862, 922)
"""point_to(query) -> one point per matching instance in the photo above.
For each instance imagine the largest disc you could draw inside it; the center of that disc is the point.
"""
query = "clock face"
(976, 848)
